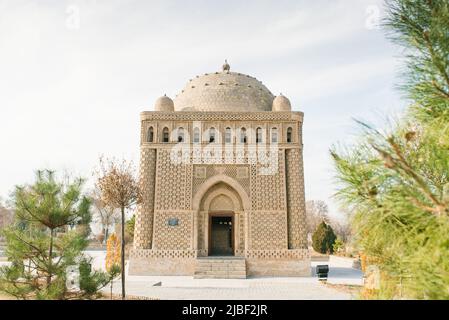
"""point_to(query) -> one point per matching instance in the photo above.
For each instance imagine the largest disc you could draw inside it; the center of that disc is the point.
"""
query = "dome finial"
(226, 67)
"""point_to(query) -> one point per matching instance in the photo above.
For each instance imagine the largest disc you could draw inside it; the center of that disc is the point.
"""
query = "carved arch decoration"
(221, 179)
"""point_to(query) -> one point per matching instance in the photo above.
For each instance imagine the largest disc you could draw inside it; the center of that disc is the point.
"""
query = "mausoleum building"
(221, 172)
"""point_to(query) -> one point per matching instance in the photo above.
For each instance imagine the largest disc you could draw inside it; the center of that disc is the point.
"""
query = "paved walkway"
(295, 288)
(249, 289)
(187, 288)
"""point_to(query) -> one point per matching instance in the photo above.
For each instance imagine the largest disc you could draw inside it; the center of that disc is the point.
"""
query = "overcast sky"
(74, 75)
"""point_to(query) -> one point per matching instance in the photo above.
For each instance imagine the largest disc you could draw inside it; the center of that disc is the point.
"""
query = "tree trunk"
(123, 253)
(106, 234)
(50, 259)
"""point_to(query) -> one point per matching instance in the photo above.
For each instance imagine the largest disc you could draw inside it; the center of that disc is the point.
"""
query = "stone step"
(220, 271)
(221, 262)
(224, 268)
(219, 277)
(221, 265)
(230, 261)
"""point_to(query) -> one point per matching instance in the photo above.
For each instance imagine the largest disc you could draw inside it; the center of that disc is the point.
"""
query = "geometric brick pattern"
(241, 244)
(171, 183)
(201, 231)
(230, 170)
(143, 229)
(297, 238)
(268, 191)
(221, 116)
(278, 254)
(188, 187)
(268, 230)
(170, 254)
(178, 237)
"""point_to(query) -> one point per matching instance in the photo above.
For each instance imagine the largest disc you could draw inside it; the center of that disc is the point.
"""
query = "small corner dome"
(281, 103)
(164, 104)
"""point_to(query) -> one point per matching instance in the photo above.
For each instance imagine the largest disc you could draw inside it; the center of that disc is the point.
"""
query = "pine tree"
(48, 236)
(396, 181)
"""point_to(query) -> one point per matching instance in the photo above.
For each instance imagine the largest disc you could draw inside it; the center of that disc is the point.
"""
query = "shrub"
(338, 246)
(323, 239)
(92, 281)
(113, 251)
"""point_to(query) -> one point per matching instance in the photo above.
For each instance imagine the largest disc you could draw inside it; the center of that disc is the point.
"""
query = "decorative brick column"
(143, 232)
(296, 213)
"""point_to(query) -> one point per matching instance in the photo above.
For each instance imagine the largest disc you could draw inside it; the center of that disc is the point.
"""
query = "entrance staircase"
(220, 268)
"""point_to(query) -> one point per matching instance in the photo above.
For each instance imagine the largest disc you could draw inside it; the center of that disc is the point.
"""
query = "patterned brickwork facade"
(268, 190)
(171, 184)
(272, 226)
(264, 195)
(268, 230)
(177, 237)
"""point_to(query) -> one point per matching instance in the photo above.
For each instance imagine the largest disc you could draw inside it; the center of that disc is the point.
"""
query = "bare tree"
(317, 211)
(342, 229)
(6, 216)
(104, 214)
(119, 188)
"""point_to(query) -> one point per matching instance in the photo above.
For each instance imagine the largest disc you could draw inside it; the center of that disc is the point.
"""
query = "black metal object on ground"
(322, 271)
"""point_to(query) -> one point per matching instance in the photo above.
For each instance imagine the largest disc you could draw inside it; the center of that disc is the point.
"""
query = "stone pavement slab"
(260, 288)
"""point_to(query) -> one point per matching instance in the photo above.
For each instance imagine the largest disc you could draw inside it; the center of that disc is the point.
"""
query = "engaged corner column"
(143, 230)
(297, 234)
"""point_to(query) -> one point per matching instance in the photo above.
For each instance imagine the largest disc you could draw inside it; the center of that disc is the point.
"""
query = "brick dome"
(164, 103)
(224, 91)
(281, 103)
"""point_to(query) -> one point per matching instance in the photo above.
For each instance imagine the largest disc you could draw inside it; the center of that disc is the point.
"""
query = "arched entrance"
(220, 222)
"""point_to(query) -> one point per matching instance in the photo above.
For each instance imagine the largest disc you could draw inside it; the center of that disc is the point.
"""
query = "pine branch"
(409, 170)
(443, 93)
(436, 60)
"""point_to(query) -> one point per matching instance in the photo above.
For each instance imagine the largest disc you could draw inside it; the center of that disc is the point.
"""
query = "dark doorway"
(221, 236)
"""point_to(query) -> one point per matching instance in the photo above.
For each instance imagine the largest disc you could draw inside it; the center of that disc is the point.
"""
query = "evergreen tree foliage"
(396, 181)
(323, 239)
(130, 224)
(48, 236)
